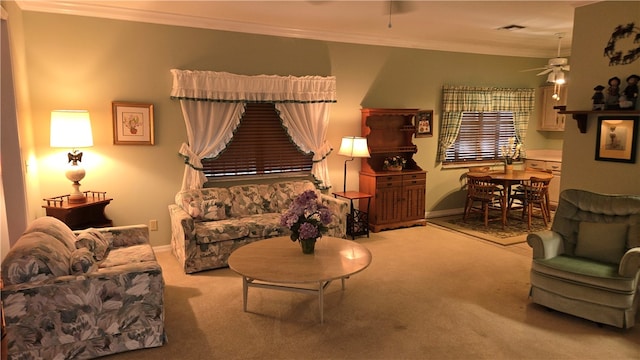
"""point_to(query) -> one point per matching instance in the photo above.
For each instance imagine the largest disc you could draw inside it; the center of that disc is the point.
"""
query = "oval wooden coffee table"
(278, 263)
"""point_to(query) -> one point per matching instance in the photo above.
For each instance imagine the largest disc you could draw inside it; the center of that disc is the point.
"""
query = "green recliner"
(588, 264)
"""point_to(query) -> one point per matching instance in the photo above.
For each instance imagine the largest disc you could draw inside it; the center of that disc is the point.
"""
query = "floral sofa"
(208, 224)
(83, 294)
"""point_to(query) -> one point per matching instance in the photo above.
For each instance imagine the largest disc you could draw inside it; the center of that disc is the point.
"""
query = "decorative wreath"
(623, 56)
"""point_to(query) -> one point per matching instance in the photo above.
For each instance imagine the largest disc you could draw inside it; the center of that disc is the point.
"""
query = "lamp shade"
(71, 129)
(354, 146)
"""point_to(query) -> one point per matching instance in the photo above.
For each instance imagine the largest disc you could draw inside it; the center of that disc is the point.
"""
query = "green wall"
(589, 68)
(81, 62)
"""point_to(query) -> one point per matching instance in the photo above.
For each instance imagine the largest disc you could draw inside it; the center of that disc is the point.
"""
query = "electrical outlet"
(153, 225)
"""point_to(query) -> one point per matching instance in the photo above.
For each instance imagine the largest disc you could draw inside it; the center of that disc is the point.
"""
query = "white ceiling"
(461, 26)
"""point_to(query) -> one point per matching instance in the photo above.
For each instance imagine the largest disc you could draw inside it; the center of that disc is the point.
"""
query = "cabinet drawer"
(415, 179)
(388, 181)
(535, 164)
(555, 166)
(416, 176)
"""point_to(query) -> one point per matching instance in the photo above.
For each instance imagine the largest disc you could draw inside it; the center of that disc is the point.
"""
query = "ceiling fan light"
(551, 77)
(560, 78)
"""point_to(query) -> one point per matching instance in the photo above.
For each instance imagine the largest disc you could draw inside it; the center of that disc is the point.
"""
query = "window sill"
(494, 165)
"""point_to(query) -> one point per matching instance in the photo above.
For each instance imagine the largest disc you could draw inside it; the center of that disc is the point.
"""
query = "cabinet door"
(388, 199)
(413, 201)
(413, 196)
(388, 205)
(550, 120)
(554, 185)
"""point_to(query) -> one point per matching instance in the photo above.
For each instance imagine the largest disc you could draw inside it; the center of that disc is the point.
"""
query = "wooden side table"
(357, 220)
(80, 216)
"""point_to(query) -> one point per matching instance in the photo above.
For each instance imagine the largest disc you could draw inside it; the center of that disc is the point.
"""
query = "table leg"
(321, 301)
(245, 290)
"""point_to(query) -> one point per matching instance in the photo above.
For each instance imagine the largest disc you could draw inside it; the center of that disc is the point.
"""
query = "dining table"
(509, 178)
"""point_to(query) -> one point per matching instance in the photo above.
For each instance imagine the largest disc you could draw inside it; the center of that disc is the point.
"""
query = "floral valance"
(227, 87)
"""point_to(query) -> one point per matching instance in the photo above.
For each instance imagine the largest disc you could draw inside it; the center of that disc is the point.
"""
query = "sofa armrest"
(123, 236)
(340, 209)
(546, 244)
(182, 223)
(183, 234)
(630, 263)
(129, 294)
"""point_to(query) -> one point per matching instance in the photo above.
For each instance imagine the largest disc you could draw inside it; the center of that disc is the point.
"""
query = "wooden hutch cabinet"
(398, 196)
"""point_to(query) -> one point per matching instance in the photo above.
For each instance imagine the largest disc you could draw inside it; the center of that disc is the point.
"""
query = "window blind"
(260, 145)
(480, 137)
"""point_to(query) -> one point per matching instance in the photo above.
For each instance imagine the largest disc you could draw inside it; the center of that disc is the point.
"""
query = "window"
(480, 137)
(259, 146)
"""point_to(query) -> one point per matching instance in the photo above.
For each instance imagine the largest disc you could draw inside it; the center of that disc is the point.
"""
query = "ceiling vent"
(511, 27)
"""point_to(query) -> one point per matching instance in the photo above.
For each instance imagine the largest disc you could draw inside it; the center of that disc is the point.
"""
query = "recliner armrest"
(546, 244)
(630, 263)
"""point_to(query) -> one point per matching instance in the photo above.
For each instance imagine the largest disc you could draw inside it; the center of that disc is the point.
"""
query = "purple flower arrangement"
(306, 217)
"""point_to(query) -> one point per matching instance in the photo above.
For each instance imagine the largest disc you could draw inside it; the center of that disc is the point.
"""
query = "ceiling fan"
(555, 67)
(555, 70)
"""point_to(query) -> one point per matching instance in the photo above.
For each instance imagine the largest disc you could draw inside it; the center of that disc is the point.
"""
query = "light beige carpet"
(429, 293)
(515, 230)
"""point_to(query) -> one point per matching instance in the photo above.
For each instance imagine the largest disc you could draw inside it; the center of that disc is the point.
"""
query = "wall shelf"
(581, 116)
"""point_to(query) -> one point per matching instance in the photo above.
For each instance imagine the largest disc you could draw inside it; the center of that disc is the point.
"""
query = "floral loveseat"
(81, 295)
(208, 224)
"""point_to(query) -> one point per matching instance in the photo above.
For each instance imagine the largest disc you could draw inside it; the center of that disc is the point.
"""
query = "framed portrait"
(617, 138)
(424, 123)
(132, 123)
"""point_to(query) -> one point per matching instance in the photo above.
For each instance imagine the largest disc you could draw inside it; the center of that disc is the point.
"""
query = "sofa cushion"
(575, 270)
(130, 255)
(35, 257)
(205, 204)
(82, 262)
(250, 199)
(602, 241)
(284, 192)
(95, 242)
(260, 226)
(54, 227)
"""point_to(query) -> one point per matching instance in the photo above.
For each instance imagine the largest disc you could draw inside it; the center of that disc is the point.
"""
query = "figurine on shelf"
(613, 94)
(598, 98)
(630, 93)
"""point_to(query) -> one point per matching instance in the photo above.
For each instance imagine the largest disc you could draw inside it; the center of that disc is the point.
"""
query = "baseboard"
(162, 248)
(441, 213)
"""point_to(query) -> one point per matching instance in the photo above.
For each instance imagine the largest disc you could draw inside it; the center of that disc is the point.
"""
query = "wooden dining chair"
(481, 189)
(535, 192)
(520, 190)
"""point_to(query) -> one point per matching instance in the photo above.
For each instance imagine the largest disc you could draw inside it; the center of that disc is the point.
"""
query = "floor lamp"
(353, 147)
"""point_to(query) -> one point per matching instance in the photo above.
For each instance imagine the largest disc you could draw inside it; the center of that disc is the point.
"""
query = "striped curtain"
(458, 99)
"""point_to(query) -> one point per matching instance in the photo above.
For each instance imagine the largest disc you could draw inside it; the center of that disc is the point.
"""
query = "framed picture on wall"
(132, 123)
(617, 138)
(424, 123)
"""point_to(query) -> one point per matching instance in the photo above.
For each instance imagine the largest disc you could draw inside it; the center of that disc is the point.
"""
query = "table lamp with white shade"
(72, 129)
(353, 147)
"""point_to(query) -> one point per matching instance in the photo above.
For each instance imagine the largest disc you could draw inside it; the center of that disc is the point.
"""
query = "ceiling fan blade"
(534, 69)
(544, 72)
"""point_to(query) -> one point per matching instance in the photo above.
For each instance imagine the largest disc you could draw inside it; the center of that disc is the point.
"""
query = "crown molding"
(117, 13)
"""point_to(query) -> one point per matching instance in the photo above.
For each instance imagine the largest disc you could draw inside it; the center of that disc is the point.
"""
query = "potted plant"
(307, 219)
(394, 163)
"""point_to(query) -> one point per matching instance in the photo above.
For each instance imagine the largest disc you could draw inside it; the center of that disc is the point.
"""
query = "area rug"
(514, 232)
